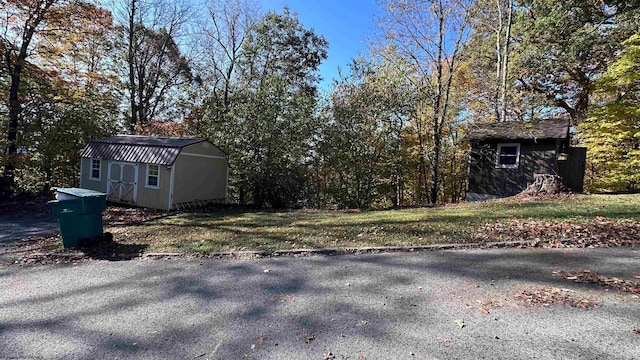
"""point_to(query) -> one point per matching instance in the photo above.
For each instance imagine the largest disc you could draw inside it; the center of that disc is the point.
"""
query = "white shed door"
(122, 182)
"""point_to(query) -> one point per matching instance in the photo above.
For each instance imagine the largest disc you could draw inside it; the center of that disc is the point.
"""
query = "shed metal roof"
(134, 148)
(520, 130)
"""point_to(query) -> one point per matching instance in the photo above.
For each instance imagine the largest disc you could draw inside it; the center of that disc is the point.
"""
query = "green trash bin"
(79, 214)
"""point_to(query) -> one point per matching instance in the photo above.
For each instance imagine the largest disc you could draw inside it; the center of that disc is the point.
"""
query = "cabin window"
(153, 176)
(508, 156)
(95, 169)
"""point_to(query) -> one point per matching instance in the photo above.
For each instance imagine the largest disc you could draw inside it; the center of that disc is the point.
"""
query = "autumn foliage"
(388, 132)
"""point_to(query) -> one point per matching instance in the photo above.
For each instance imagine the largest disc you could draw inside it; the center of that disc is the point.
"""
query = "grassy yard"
(461, 223)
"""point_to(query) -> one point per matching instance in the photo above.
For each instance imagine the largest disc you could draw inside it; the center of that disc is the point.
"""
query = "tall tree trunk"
(422, 165)
(437, 111)
(130, 59)
(15, 107)
(397, 190)
(498, 60)
(435, 171)
(505, 64)
(453, 177)
(14, 112)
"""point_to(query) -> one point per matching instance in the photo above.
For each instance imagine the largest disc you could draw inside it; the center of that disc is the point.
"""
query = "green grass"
(241, 230)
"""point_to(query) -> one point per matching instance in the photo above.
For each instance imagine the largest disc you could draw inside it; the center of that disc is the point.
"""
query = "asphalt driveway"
(384, 306)
(16, 227)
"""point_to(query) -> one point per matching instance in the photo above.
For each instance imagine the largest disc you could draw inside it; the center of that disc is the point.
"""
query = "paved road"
(15, 227)
(385, 306)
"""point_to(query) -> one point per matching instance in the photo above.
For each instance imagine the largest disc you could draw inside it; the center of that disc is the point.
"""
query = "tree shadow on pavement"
(378, 306)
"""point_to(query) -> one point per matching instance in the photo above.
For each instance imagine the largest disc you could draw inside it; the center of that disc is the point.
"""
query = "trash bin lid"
(78, 192)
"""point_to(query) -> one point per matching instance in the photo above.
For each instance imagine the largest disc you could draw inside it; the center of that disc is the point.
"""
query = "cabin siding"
(487, 179)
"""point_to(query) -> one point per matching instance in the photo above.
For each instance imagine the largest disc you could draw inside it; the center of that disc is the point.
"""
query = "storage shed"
(155, 172)
(505, 156)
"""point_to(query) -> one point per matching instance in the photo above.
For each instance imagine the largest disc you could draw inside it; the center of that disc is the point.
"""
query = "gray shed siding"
(86, 183)
(153, 198)
(200, 174)
(203, 148)
(146, 197)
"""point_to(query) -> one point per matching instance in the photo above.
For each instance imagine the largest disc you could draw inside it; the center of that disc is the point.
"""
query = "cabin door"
(122, 182)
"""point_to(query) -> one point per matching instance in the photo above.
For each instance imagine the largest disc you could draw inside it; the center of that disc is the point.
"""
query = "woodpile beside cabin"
(505, 156)
(155, 172)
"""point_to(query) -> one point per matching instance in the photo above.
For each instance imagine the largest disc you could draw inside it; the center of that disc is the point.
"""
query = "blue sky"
(345, 24)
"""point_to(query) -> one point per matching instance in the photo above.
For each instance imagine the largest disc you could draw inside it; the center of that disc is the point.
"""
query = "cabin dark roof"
(139, 149)
(520, 130)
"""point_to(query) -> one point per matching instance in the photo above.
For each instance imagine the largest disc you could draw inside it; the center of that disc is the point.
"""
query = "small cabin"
(505, 156)
(155, 172)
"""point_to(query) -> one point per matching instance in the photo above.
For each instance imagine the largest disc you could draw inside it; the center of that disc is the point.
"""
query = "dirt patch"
(118, 215)
(23, 251)
(25, 204)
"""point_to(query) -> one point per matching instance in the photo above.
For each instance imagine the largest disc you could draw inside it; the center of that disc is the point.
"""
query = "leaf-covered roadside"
(551, 296)
(600, 232)
(604, 233)
(592, 277)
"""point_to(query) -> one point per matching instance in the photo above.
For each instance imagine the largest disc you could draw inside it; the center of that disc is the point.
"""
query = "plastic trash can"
(79, 214)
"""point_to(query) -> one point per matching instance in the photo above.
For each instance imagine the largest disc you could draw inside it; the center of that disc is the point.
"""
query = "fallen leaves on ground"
(258, 341)
(49, 250)
(39, 250)
(552, 296)
(284, 299)
(306, 336)
(592, 277)
(600, 232)
(525, 197)
(460, 323)
(485, 306)
(491, 304)
(328, 356)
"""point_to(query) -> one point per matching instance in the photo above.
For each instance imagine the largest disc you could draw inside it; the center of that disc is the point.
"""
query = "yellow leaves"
(611, 132)
(624, 72)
